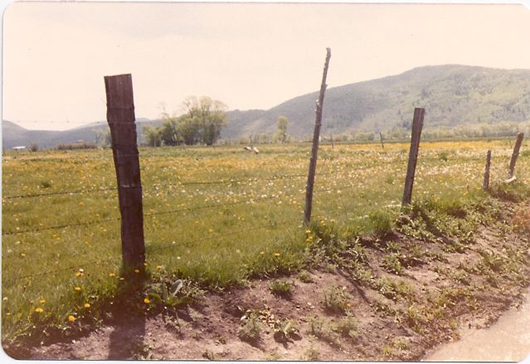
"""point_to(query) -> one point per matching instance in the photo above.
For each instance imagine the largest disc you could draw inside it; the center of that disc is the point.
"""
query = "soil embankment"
(374, 298)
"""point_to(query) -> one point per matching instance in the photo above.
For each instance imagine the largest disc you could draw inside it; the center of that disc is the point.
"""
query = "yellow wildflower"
(87, 305)
(276, 254)
(136, 271)
(77, 289)
(42, 300)
(71, 318)
(39, 309)
(147, 300)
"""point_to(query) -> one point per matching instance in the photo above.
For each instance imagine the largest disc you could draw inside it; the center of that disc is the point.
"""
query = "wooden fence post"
(515, 154)
(121, 119)
(316, 136)
(417, 125)
(382, 142)
(486, 184)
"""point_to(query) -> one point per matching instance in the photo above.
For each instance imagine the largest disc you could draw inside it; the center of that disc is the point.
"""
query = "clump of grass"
(379, 306)
(415, 318)
(305, 277)
(392, 264)
(336, 299)
(391, 288)
(322, 329)
(311, 354)
(347, 326)
(281, 288)
(381, 223)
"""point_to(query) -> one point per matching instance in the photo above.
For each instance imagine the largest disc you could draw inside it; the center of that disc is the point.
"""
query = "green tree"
(281, 129)
(208, 117)
(189, 129)
(153, 136)
(169, 133)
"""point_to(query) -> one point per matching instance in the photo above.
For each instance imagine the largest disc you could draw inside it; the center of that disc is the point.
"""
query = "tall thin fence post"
(121, 119)
(316, 137)
(515, 154)
(382, 142)
(417, 125)
(486, 184)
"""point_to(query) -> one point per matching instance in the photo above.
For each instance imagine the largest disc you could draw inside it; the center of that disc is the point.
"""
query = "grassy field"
(217, 216)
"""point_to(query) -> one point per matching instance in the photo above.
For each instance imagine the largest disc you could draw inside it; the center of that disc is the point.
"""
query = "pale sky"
(249, 56)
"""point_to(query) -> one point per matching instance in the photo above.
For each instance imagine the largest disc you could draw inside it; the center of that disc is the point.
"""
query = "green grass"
(252, 228)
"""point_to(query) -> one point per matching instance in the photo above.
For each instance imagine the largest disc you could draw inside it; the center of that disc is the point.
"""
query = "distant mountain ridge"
(451, 94)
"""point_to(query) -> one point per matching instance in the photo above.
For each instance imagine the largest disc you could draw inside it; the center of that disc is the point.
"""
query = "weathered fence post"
(316, 136)
(486, 184)
(382, 142)
(515, 154)
(417, 125)
(121, 119)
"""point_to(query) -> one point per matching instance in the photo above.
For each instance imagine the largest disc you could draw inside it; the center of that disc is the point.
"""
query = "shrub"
(78, 145)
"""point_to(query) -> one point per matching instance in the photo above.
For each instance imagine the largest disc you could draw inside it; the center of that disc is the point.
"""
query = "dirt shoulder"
(389, 297)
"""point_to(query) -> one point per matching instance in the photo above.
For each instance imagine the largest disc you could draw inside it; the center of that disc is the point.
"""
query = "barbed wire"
(185, 209)
(184, 183)
(171, 245)
(56, 227)
(216, 236)
(73, 192)
(73, 267)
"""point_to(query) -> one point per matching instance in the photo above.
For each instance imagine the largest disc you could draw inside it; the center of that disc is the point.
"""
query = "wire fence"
(163, 246)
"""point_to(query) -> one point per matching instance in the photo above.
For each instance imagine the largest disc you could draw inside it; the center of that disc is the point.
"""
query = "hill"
(453, 95)
(15, 135)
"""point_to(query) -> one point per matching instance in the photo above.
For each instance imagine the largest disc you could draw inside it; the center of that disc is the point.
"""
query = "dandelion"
(147, 300)
(87, 305)
(122, 279)
(39, 310)
(159, 267)
(42, 301)
(112, 274)
(77, 289)
(71, 318)
(276, 254)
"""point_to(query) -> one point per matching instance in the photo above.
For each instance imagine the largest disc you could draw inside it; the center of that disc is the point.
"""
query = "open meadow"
(216, 216)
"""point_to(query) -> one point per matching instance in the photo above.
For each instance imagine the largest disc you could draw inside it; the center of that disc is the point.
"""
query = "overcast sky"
(250, 56)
